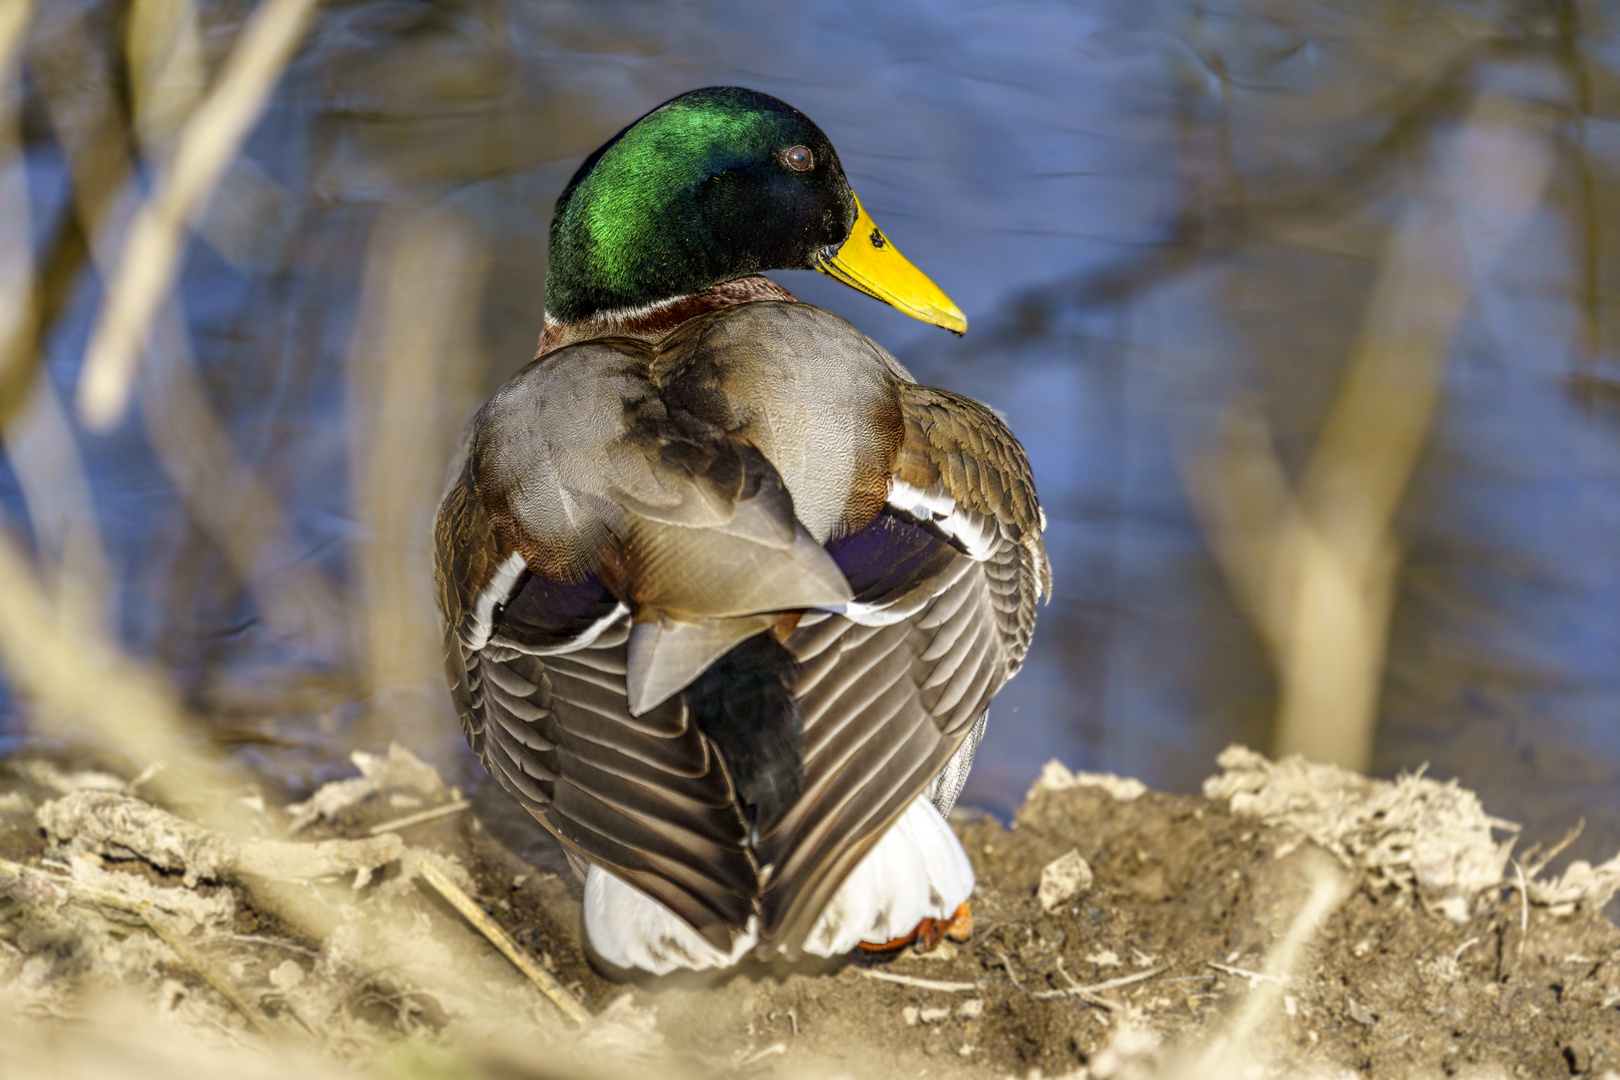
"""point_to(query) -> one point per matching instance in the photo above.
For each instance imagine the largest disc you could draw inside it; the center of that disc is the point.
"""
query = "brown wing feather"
(884, 708)
(962, 447)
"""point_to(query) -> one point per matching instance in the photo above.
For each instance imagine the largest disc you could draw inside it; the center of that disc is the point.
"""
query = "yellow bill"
(868, 262)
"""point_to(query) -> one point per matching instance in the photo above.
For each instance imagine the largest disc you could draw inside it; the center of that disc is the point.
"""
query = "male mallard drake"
(726, 592)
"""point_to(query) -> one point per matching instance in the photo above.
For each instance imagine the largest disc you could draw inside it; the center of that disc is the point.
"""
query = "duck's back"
(719, 609)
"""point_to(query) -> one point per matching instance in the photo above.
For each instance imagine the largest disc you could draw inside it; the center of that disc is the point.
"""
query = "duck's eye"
(799, 158)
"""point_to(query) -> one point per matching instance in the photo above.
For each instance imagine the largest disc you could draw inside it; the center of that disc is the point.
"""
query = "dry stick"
(1524, 914)
(1244, 973)
(920, 984)
(38, 435)
(1539, 862)
(425, 815)
(1011, 974)
(1081, 992)
(1329, 886)
(1088, 993)
(151, 258)
(227, 499)
(774, 1048)
(548, 984)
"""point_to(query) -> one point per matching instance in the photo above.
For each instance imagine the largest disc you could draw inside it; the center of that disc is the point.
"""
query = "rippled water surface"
(1152, 213)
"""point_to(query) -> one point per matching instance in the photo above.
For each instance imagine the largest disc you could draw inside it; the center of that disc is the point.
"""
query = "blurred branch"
(410, 389)
(64, 662)
(1317, 565)
(50, 471)
(16, 244)
(39, 440)
(166, 72)
(230, 503)
(151, 256)
(68, 664)
(1590, 243)
(1231, 1053)
(227, 499)
(75, 87)
(65, 255)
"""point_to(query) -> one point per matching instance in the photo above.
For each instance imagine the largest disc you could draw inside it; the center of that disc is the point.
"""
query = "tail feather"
(629, 929)
(917, 871)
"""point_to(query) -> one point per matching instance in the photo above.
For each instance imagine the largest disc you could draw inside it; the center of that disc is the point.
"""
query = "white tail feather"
(917, 871)
(630, 929)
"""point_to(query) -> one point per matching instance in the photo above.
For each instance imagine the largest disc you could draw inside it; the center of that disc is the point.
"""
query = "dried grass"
(1412, 834)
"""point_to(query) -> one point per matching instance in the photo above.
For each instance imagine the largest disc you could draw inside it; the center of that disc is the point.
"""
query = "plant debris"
(1294, 921)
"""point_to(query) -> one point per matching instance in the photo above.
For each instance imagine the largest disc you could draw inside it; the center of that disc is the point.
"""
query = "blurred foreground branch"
(410, 389)
(151, 255)
(1316, 564)
(39, 442)
(68, 664)
(230, 503)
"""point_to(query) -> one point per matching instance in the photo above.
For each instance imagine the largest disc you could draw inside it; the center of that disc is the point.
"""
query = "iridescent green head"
(710, 186)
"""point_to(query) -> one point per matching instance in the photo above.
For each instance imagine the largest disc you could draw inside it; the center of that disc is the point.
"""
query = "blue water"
(1041, 161)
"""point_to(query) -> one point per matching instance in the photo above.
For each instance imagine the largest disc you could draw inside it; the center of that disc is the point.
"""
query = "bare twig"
(1011, 974)
(1083, 993)
(548, 984)
(1524, 911)
(39, 442)
(1328, 886)
(1254, 977)
(1089, 992)
(920, 984)
(425, 815)
(16, 262)
(774, 1048)
(189, 956)
(275, 943)
(1537, 861)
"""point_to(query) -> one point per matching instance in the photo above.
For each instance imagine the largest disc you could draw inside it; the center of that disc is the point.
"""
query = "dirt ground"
(1285, 923)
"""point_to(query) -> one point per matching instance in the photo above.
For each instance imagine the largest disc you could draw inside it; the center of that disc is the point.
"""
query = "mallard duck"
(726, 592)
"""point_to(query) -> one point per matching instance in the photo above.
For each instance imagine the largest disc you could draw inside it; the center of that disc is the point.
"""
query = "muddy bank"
(1290, 921)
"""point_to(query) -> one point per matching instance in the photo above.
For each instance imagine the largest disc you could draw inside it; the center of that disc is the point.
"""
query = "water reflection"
(1149, 211)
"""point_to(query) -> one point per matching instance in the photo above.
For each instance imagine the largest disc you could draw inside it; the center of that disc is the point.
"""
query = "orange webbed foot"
(930, 932)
